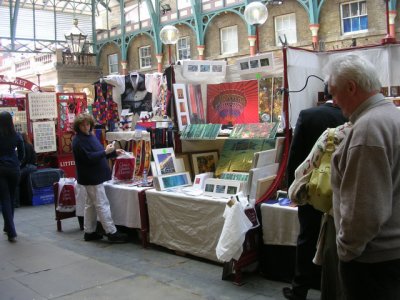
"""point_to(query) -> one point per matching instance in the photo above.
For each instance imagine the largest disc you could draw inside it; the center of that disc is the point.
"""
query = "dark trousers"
(377, 281)
(25, 190)
(307, 274)
(9, 178)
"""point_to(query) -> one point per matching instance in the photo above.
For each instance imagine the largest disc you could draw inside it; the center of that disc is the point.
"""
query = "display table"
(280, 224)
(127, 204)
(193, 225)
(187, 224)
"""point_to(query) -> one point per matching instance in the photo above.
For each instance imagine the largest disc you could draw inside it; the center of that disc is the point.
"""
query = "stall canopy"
(303, 63)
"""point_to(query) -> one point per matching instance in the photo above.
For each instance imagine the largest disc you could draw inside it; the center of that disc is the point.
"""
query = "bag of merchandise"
(66, 200)
(124, 167)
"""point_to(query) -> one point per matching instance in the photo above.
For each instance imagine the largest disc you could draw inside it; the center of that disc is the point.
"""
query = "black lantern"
(75, 38)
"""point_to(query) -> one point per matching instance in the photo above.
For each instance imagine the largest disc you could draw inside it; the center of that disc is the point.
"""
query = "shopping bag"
(66, 200)
(124, 167)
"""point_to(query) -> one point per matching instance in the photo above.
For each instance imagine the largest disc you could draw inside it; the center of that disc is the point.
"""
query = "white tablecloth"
(184, 223)
(280, 224)
(124, 204)
(127, 135)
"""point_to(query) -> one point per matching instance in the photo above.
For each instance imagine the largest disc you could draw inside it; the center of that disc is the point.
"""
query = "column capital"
(124, 65)
(200, 49)
(314, 29)
(392, 16)
(159, 62)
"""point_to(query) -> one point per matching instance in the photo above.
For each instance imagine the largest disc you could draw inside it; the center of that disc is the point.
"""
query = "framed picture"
(164, 160)
(222, 188)
(181, 102)
(169, 181)
(204, 162)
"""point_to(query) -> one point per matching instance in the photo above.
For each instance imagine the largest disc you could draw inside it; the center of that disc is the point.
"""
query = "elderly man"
(366, 183)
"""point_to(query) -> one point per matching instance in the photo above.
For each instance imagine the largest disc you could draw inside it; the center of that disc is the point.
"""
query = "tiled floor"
(46, 264)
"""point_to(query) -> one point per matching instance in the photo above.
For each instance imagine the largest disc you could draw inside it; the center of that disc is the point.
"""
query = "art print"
(233, 102)
(196, 106)
(222, 188)
(181, 106)
(164, 160)
(169, 181)
(204, 162)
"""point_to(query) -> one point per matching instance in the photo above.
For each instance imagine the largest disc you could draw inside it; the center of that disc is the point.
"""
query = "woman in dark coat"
(9, 171)
(92, 170)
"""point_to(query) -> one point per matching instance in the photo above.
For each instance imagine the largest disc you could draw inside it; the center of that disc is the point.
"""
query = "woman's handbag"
(319, 187)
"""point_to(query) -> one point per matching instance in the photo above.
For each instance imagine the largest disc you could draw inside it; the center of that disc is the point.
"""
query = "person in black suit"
(310, 125)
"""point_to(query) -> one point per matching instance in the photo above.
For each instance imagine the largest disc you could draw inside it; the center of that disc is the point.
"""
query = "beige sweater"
(366, 184)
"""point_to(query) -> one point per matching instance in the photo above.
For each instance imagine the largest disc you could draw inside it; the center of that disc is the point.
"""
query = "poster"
(42, 106)
(232, 103)
(44, 135)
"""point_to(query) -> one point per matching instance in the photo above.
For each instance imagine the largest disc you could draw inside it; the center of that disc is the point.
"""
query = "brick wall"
(108, 49)
(329, 32)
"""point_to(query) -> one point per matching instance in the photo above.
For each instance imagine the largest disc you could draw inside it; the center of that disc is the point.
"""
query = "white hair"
(353, 67)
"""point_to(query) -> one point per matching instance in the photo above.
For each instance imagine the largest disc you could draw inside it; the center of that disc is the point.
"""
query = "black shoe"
(93, 236)
(117, 237)
(12, 239)
(288, 293)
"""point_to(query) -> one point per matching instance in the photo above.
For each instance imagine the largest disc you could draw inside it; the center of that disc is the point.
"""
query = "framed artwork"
(181, 102)
(221, 188)
(195, 101)
(233, 102)
(260, 173)
(394, 91)
(264, 158)
(204, 162)
(169, 181)
(164, 160)
(270, 102)
(263, 185)
(203, 69)
(262, 63)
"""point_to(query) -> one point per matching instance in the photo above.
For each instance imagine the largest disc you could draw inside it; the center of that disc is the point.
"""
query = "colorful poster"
(270, 106)
(232, 103)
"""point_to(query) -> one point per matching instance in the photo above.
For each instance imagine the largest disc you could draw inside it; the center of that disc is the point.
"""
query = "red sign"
(29, 85)
(67, 164)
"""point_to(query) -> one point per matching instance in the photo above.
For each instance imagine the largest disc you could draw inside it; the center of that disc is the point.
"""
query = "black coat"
(91, 160)
(30, 155)
(310, 125)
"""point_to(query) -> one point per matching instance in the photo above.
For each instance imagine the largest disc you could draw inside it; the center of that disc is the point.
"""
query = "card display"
(44, 135)
(42, 106)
